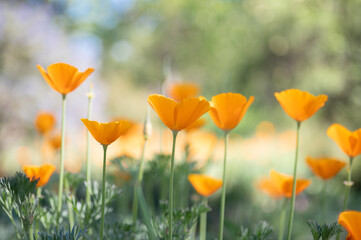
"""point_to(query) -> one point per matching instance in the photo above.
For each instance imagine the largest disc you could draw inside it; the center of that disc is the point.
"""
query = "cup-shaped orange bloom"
(300, 105)
(43, 173)
(269, 187)
(106, 133)
(200, 122)
(44, 122)
(349, 142)
(351, 220)
(325, 168)
(178, 116)
(228, 109)
(281, 184)
(180, 91)
(63, 77)
(204, 185)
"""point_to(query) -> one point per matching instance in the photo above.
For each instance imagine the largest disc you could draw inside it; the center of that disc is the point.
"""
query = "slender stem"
(282, 219)
(203, 223)
(139, 182)
(293, 200)
(30, 232)
(170, 218)
(324, 201)
(61, 177)
(347, 190)
(70, 208)
(103, 191)
(88, 165)
(223, 198)
(348, 185)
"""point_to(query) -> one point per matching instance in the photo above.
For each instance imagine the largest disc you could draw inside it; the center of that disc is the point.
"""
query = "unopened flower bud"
(348, 183)
(90, 94)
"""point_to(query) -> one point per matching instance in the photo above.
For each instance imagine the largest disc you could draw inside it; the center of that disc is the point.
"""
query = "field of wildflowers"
(177, 162)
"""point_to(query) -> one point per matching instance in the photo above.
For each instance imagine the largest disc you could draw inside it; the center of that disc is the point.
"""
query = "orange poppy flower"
(269, 187)
(44, 122)
(63, 77)
(200, 122)
(55, 141)
(201, 146)
(178, 116)
(300, 105)
(281, 185)
(43, 173)
(106, 133)
(180, 91)
(204, 185)
(351, 220)
(325, 168)
(228, 109)
(349, 142)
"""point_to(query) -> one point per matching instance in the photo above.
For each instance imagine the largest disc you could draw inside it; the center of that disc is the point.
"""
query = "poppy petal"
(164, 107)
(351, 220)
(204, 185)
(188, 111)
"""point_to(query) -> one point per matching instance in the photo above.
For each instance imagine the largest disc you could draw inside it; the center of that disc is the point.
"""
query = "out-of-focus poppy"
(349, 142)
(182, 90)
(43, 173)
(44, 122)
(204, 185)
(325, 168)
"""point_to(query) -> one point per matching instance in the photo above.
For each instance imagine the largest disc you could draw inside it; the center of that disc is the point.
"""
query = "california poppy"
(300, 105)
(63, 77)
(44, 122)
(178, 116)
(284, 183)
(349, 142)
(228, 109)
(200, 122)
(55, 141)
(204, 185)
(268, 186)
(180, 91)
(325, 168)
(43, 173)
(351, 220)
(106, 133)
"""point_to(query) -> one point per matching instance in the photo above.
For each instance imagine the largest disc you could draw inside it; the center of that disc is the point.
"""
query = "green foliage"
(262, 231)
(325, 231)
(123, 230)
(18, 195)
(74, 234)
(183, 221)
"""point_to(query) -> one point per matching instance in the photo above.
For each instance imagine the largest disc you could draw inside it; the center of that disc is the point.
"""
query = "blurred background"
(140, 47)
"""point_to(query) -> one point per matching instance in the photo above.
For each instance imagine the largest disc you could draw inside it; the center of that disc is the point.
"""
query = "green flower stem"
(223, 198)
(347, 190)
(170, 218)
(144, 210)
(30, 233)
(203, 222)
(293, 200)
(61, 177)
(70, 207)
(282, 219)
(103, 192)
(139, 182)
(348, 185)
(88, 165)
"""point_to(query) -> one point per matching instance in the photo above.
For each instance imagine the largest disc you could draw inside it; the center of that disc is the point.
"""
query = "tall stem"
(170, 218)
(293, 200)
(282, 219)
(103, 192)
(61, 177)
(138, 183)
(203, 223)
(88, 166)
(70, 208)
(223, 198)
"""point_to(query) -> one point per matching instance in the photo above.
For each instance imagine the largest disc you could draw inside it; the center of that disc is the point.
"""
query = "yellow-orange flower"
(55, 141)
(300, 105)
(351, 220)
(180, 91)
(281, 184)
(349, 142)
(204, 185)
(44, 122)
(63, 77)
(228, 109)
(43, 173)
(106, 133)
(325, 168)
(178, 116)
(268, 186)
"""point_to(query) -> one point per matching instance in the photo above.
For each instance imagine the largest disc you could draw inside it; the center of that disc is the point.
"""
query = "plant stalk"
(103, 192)
(203, 222)
(282, 219)
(223, 198)
(70, 207)
(61, 177)
(170, 218)
(88, 164)
(293, 200)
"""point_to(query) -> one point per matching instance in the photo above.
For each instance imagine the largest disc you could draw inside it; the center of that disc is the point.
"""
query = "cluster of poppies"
(226, 110)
